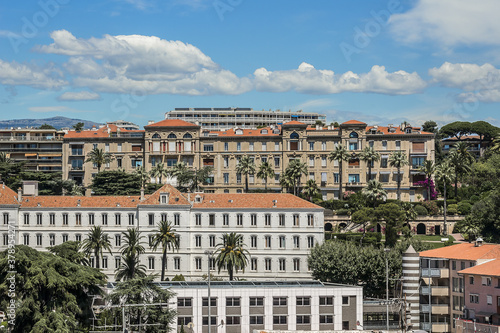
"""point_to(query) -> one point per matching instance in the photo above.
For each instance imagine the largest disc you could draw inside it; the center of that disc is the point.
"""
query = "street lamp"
(209, 254)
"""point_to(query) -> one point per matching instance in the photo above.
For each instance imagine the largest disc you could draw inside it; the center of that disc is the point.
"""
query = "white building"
(278, 229)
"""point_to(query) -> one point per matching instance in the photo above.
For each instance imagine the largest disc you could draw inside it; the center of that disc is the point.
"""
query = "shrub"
(452, 209)
(451, 201)
(421, 210)
(473, 199)
(440, 203)
(464, 208)
(342, 211)
(431, 206)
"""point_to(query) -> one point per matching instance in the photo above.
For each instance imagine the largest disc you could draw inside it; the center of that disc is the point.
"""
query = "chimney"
(189, 196)
(142, 193)
(479, 242)
(19, 194)
(151, 122)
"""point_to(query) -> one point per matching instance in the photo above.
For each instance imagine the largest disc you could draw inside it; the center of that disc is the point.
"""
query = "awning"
(30, 155)
(373, 172)
(416, 172)
(50, 155)
(401, 172)
(485, 314)
(385, 172)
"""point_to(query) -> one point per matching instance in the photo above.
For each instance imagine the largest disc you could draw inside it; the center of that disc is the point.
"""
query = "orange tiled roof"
(293, 122)
(246, 132)
(490, 268)
(398, 131)
(7, 196)
(353, 122)
(80, 201)
(100, 132)
(172, 123)
(175, 196)
(464, 251)
(251, 200)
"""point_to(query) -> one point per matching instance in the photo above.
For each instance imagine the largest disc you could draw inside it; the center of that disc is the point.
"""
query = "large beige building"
(173, 140)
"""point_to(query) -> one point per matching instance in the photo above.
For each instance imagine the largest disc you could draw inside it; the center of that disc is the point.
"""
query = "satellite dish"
(190, 325)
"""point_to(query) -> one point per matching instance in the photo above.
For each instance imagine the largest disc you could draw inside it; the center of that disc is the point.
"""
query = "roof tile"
(464, 251)
(252, 200)
(172, 123)
(490, 268)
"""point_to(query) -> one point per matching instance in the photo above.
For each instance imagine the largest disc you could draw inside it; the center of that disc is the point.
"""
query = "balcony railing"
(34, 138)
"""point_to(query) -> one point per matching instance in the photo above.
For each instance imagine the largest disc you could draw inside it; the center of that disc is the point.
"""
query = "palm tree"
(95, 243)
(374, 191)
(286, 182)
(369, 155)
(130, 268)
(231, 254)
(428, 168)
(143, 175)
(246, 166)
(495, 144)
(165, 237)
(310, 189)
(159, 171)
(340, 154)
(132, 243)
(398, 159)
(265, 172)
(294, 172)
(461, 161)
(443, 173)
(199, 176)
(98, 157)
(4, 158)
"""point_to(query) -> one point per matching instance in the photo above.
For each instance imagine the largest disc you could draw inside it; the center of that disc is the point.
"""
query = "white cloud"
(59, 109)
(16, 74)
(139, 4)
(449, 23)
(307, 79)
(79, 96)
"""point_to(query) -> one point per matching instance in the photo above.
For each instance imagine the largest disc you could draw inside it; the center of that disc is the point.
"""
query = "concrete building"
(442, 286)
(226, 118)
(244, 306)
(278, 229)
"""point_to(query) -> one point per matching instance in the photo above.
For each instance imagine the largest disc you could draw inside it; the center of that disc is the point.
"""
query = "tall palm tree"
(265, 172)
(231, 254)
(370, 156)
(294, 172)
(428, 168)
(310, 189)
(374, 191)
(461, 161)
(443, 174)
(143, 175)
(98, 157)
(96, 242)
(132, 242)
(340, 155)
(165, 237)
(130, 268)
(159, 171)
(4, 158)
(199, 176)
(246, 166)
(398, 159)
(286, 182)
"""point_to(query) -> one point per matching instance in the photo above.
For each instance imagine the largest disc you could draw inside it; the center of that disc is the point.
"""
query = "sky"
(381, 62)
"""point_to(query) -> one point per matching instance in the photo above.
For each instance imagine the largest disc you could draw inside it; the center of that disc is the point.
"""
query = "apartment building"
(476, 144)
(246, 306)
(278, 229)
(39, 149)
(226, 118)
(442, 291)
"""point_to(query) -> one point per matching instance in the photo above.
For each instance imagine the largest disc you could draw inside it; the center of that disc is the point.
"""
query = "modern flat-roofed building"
(225, 118)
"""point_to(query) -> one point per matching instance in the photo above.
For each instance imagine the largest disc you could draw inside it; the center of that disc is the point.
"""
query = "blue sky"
(376, 61)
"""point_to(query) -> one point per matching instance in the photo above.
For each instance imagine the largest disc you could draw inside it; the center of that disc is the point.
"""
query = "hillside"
(57, 122)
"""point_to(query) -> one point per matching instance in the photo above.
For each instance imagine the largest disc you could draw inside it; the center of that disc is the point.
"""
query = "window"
(462, 265)
(213, 301)
(5, 218)
(267, 219)
(336, 177)
(151, 219)
(118, 261)
(198, 219)
(267, 241)
(256, 301)
(65, 218)
(323, 161)
(38, 240)
(26, 239)
(353, 146)
(184, 302)
(474, 298)
(177, 263)
(253, 219)
(197, 263)
(264, 146)
(211, 219)
(282, 264)
(253, 241)
(279, 301)
(276, 162)
(251, 179)
(398, 145)
(250, 146)
(282, 242)
(454, 265)
(65, 238)
(233, 320)
(118, 219)
(226, 146)
(183, 321)
(383, 162)
(78, 237)
(276, 146)
(211, 239)
(310, 242)
(345, 300)
(326, 319)
(131, 218)
(310, 220)
(118, 240)
(296, 242)
(177, 219)
(208, 147)
(164, 217)
(239, 219)
(226, 178)
(354, 178)
(279, 320)
(417, 162)
(232, 301)
(486, 281)
(256, 320)
(471, 279)
(91, 219)
(282, 220)
(119, 163)
(104, 219)
(295, 220)
(26, 218)
(52, 239)
(253, 264)
(489, 300)
(303, 319)
(384, 145)
(39, 219)
(296, 264)
(213, 320)
(268, 264)
(5, 239)
(238, 146)
(303, 301)
(326, 300)
(105, 262)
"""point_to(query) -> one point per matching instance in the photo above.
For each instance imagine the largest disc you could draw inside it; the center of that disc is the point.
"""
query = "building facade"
(226, 118)
(278, 229)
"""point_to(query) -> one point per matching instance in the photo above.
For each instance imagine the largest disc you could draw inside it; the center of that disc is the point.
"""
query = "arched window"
(156, 136)
(172, 136)
(353, 135)
(294, 136)
(187, 136)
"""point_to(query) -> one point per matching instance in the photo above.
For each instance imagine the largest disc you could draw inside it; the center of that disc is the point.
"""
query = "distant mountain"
(57, 122)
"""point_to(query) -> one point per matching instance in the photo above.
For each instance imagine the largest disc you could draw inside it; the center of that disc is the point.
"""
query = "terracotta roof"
(397, 130)
(246, 132)
(99, 133)
(464, 251)
(293, 122)
(491, 268)
(7, 196)
(251, 200)
(172, 123)
(353, 122)
(47, 201)
(175, 196)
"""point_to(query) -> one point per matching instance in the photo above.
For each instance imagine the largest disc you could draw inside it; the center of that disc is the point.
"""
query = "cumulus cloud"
(309, 80)
(45, 109)
(79, 96)
(449, 22)
(16, 74)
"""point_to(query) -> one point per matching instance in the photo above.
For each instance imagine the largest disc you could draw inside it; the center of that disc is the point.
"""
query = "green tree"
(98, 157)
(340, 155)
(443, 174)
(143, 175)
(159, 171)
(495, 146)
(78, 126)
(130, 268)
(310, 189)
(394, 217)
(286, 182)
(430, 126)
(53, 294)
(96, 242)
(199, 177)
(231, 254)
(116, 182)
(246, 167)
(428, 168)
(71, 251)
(166, 237)
(398, 159)
(485, 217)
(294, 172)
(132, 243)
(47, 126)
(456, 129)
(461, 161)
(370, 156)
(265, 172)
(374, 191)
(4, 158)
(364, 217)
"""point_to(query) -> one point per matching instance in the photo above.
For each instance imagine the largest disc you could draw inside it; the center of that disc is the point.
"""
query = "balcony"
(435, 272)
(34, 138)
(441, 327)
(441, 309)
(76, 169)
(435, 290)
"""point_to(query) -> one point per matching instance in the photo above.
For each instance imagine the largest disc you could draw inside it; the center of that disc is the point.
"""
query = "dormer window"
(373, 131)
(408, 130)
(264, 131)
(198, 198)
(164, 198)
(392, 130)
(239, 132)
